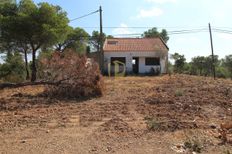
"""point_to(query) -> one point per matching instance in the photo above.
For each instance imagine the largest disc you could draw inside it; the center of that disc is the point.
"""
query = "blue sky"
(169, 14)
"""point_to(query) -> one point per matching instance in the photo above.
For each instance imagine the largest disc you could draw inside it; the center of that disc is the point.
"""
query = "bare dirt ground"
(136, 115)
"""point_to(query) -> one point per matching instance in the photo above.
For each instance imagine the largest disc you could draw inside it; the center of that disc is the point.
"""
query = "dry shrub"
(73, 76)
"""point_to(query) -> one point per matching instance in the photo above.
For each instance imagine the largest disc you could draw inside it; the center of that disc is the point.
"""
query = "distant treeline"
(202, 65)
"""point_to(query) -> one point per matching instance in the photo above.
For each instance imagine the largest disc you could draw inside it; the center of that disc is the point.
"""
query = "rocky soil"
(177, 114)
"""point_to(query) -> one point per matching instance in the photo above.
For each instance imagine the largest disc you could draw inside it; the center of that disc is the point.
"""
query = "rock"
(226, 125)
(94, 149)
(48, 131)
(213, 126)
(108, 149)
(23, 141)
(179, 148)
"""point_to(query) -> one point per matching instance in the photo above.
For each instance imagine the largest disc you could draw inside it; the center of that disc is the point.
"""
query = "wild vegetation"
(12, 68)
(38, 29)
(202, 66)
(73, 76)
(42, 30)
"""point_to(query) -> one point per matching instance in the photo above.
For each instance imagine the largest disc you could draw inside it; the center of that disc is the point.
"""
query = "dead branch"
(24, 84)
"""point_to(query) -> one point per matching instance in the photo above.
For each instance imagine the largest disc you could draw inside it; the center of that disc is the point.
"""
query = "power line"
(169, 32)
(175, 32)
(230, 28)
(112, 27)
(119, 27)
(140, 27)
(222, 31)
(84, 15)
(193, 31)
(132, 34)
(201, 29)
(186, 32)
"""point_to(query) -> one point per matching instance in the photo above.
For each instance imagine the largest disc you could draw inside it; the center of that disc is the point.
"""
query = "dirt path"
(180, 107)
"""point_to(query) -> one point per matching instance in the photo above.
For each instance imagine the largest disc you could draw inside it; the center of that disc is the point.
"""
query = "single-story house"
(136, 55)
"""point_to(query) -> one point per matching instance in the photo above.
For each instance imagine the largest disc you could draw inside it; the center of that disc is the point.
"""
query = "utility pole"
(101, 53)
(213, 61)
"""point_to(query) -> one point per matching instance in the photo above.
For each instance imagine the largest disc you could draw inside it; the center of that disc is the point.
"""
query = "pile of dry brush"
(73, 76)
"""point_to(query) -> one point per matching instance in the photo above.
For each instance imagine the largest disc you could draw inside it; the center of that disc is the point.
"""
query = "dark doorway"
(120, 59)
(135, 62)
(120, 62)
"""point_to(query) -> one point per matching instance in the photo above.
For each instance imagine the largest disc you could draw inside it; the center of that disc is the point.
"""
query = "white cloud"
(161, 1)
(123, 29)
(154, 12)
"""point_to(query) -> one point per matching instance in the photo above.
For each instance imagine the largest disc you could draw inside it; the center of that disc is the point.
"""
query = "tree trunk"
(26, 65)
(33, 69)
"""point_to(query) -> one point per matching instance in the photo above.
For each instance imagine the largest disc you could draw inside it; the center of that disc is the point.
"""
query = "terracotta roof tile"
(134, 44)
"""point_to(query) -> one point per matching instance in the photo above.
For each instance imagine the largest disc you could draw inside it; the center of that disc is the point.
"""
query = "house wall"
(146, 69)
(142, 55)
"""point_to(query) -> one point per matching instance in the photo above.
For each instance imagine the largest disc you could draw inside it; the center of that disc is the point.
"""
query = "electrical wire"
(170, 32)
(179, 32)
(139, 27)
(226, 30)
(84, 15)
(187, 31)
(222, 31)
(229, 28)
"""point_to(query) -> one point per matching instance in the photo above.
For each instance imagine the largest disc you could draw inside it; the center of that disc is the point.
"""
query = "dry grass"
(117, 120)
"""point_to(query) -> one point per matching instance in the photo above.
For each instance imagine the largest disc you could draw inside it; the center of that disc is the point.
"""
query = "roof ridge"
(135, 44)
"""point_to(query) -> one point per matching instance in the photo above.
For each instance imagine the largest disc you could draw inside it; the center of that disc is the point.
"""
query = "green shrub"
(222, 72)
(193, 145)
(154, 71)
(179, 92)
(13, 69)
(152, 124)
